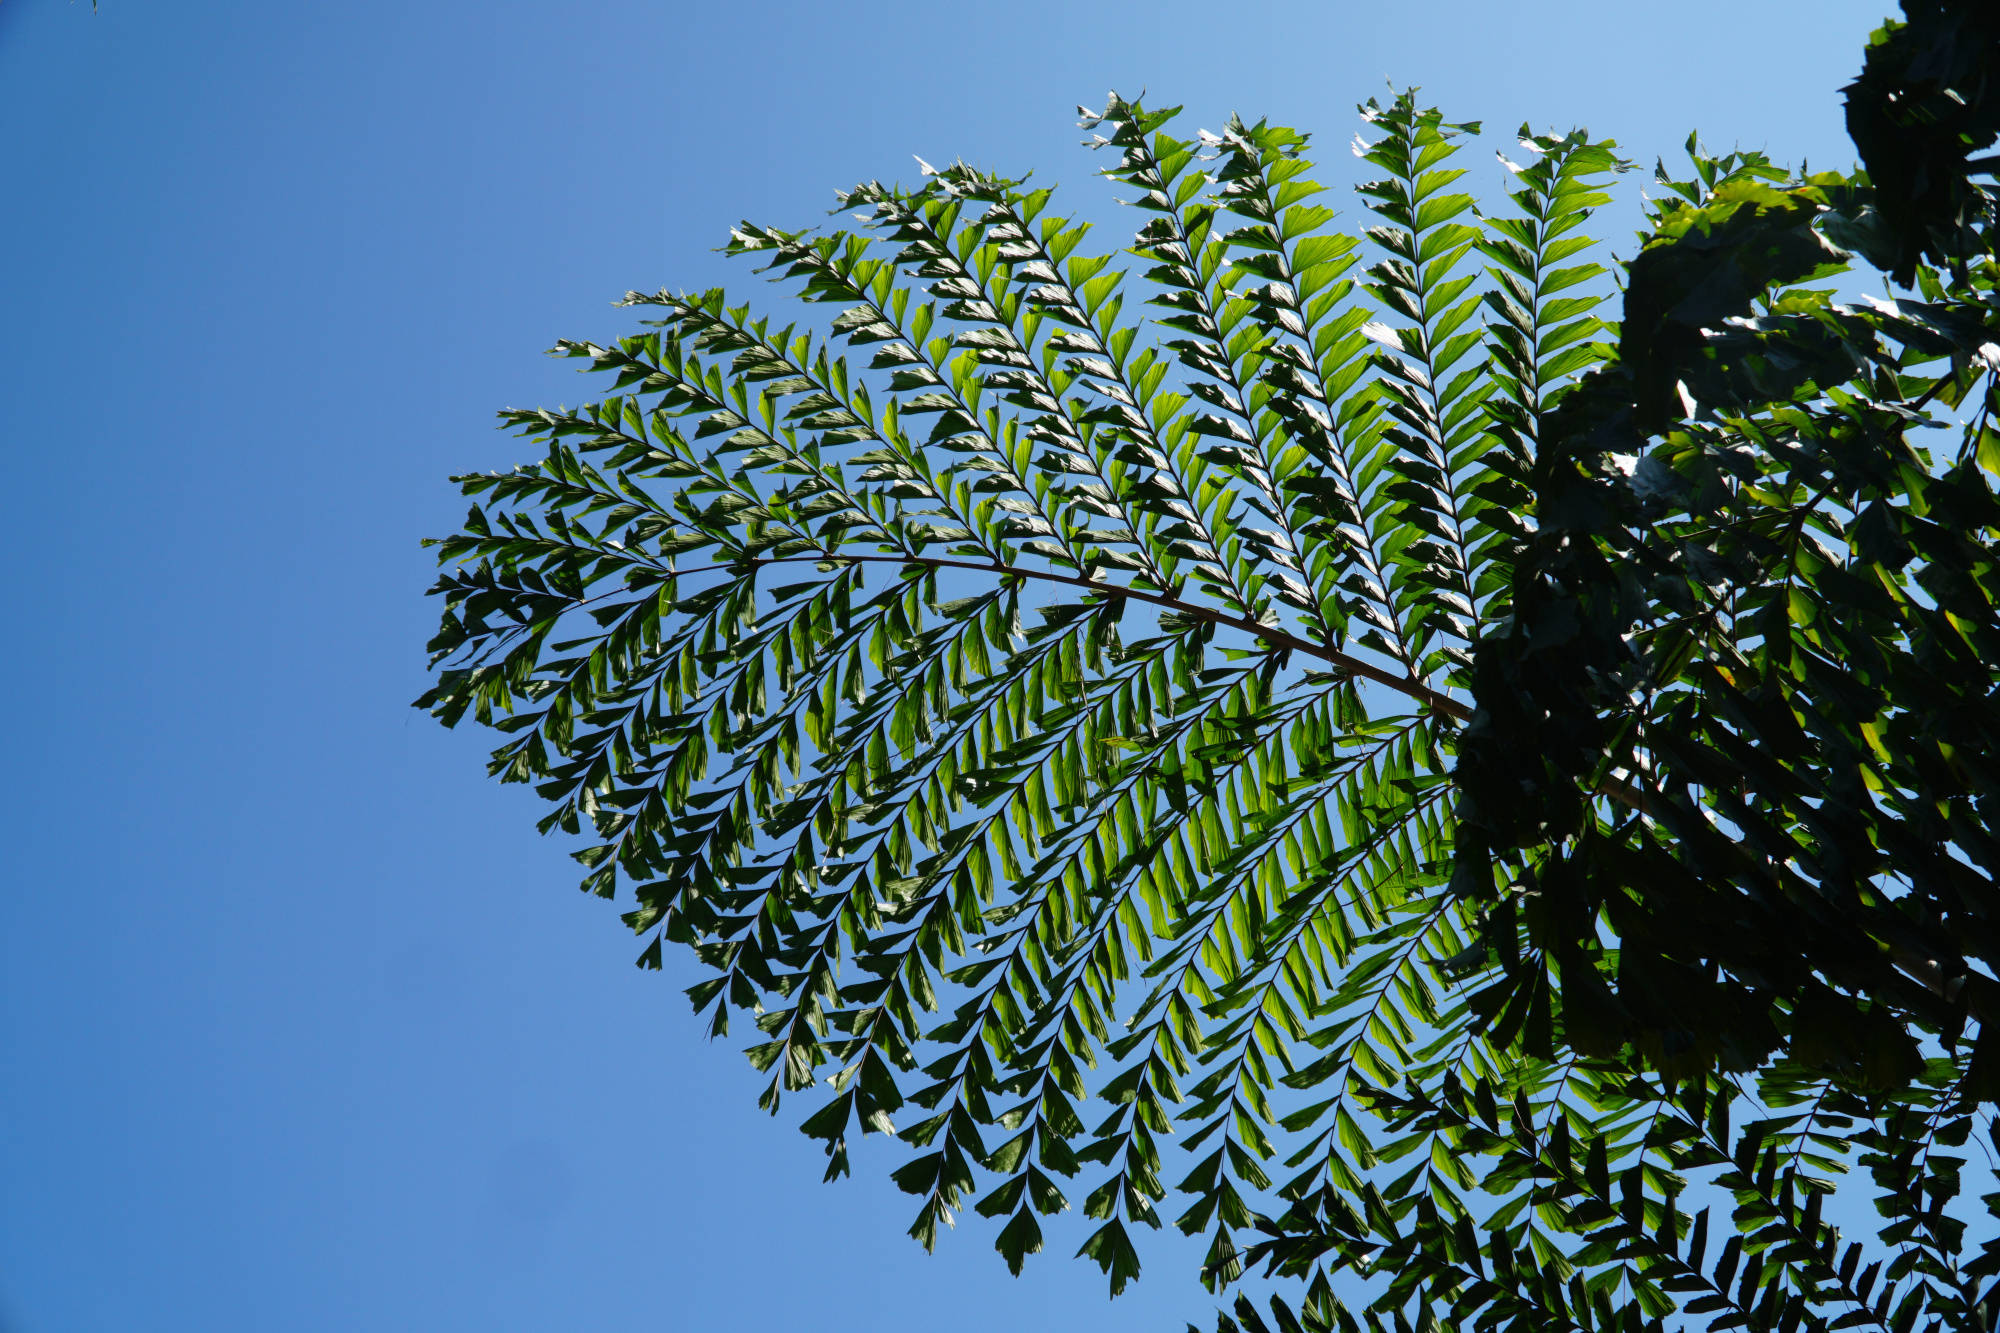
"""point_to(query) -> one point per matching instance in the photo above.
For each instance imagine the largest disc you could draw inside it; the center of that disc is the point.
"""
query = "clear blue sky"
(301, 1027)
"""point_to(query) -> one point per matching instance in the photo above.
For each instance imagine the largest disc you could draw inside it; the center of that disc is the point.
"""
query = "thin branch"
(1270, 634)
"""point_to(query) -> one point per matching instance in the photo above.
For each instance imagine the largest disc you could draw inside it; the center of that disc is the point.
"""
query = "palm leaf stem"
(1269, 634)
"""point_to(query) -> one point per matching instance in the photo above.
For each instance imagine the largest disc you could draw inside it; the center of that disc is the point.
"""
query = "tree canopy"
(1324, 739)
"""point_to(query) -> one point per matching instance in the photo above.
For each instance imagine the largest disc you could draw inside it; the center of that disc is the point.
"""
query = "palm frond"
(1015, 703)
